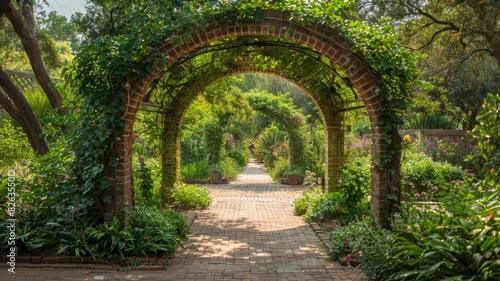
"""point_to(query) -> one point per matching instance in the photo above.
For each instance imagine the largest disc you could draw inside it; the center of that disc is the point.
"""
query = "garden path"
(248, 233)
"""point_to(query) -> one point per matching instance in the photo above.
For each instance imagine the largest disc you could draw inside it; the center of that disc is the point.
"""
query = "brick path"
(249, 233)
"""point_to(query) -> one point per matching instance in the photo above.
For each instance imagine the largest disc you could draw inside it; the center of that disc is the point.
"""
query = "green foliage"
(145, 182)
(487, 134)
(429, 121)
(281, 109)
(361, 127)
(271, 145)
(303, 203)
(239, 157)
(340, 242)
(214, 139)
(458, 239)
(456, 248)
(363, 241)
(14, 147)
(420, 170)
(191, 196)
(170, 221)
(109, 240)
(357, 147)
(354, 182)
(99, 72)
(326, 207)
(112, 240)
(216, 168)
(315, 154)
(280, 168)
(195, 171)
(230, 168)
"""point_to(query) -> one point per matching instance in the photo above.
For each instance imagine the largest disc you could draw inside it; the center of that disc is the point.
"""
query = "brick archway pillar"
(170, 156)
(276, 24)
(334, 150)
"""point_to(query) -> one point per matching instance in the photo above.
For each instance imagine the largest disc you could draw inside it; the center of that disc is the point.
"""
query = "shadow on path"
(249, 233)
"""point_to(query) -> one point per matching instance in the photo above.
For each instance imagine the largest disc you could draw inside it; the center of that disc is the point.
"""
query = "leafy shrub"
(362, 127)
(178, 222)
(364, 241)
(279, 169)
(357, 146)
(112, 240)
(457, 243)
(430, 121)
(421, 171)
(303, 203)
(371, 244)
(195, 171)
(14, 147)
(327, 206)
(487, 134)
(230, 168)
(455, 248)
(167, 221)
(270, 146)
(239, 157)
(145, 182)
(295, 170)
(354, 181)
(340, 242)
(191, 196)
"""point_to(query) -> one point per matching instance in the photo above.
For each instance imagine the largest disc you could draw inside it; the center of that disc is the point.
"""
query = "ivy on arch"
(106, 68)
(282, 109)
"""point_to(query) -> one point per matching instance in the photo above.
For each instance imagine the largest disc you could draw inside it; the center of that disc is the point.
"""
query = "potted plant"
(294, 176)
(216, 174)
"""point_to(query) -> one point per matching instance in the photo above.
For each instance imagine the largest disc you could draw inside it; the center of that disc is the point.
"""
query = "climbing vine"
(281, 108)
(100, 73)
(105, 68)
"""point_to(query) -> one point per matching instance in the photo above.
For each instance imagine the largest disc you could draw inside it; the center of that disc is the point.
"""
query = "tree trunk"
(24, 25)
(495, 46)
(16, 105)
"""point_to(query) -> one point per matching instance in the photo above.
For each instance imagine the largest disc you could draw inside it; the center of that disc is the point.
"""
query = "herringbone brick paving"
(249, 233)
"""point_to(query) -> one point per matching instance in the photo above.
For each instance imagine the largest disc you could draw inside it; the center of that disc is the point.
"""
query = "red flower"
(147, 237)
(491, 216)
(347, 257)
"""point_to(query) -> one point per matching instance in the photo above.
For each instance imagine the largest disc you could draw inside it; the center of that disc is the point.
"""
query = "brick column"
(334, 151)
(118, 200)
(170, 157)
(386, 179)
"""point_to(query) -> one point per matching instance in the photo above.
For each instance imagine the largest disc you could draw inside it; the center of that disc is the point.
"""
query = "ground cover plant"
(456, 238)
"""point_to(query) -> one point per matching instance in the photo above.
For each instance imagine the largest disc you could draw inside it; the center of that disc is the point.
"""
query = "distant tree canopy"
(461, 40)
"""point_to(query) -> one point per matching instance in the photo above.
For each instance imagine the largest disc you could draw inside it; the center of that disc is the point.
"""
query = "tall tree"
(109, 17)
(475, 24)
(60, 29)
(12, 100)
(461, 41)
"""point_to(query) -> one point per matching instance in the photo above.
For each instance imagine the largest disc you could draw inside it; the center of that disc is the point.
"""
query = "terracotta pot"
(293, 179)
(215, 177)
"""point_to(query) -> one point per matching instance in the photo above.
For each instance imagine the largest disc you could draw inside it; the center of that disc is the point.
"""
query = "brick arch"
(332, 123)
(278, 25)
